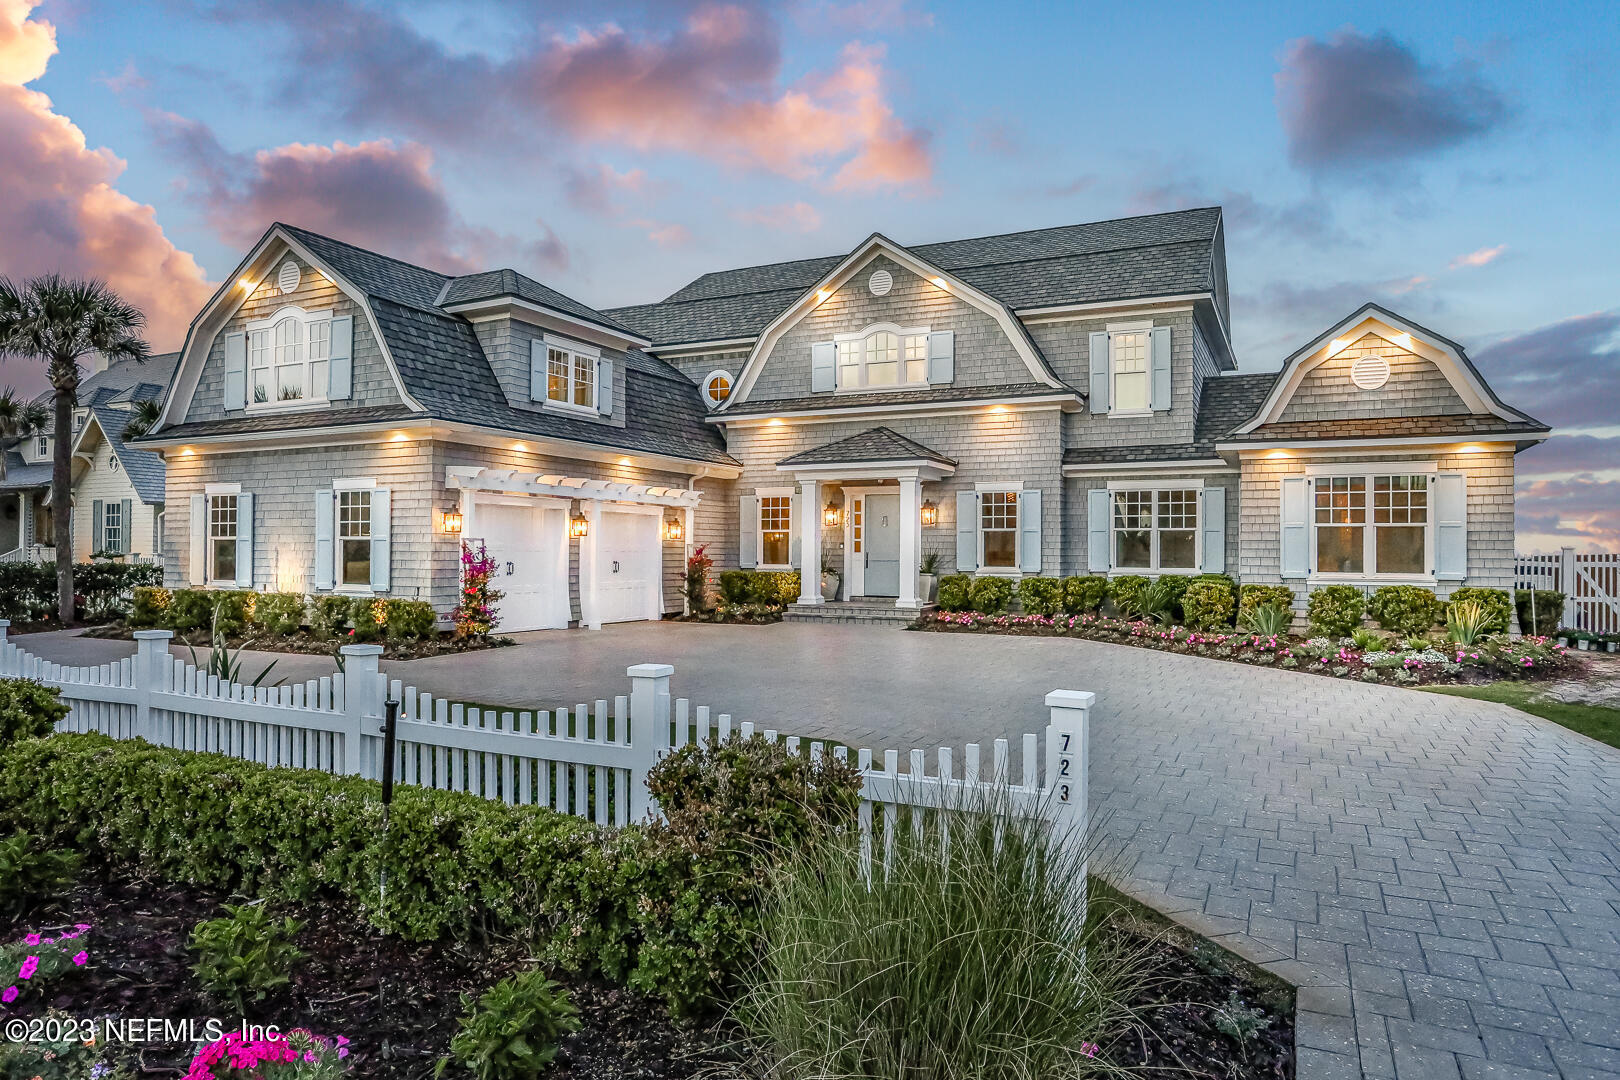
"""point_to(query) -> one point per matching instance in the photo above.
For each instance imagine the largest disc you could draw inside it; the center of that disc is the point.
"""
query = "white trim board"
(833, 413)
(1139, 466)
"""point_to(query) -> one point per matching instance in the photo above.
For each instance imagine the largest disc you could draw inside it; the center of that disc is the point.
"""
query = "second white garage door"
(528, 541)
(629, 567)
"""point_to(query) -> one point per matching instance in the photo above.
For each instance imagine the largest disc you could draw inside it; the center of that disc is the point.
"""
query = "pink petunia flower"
(9, 994)
(78, 961)
(29, 966)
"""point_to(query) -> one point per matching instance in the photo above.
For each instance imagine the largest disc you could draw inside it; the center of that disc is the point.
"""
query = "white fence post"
(1566, 583)
(649, 730)
(363, 693)
(1068, 768)
(4, 623)
(151, 673)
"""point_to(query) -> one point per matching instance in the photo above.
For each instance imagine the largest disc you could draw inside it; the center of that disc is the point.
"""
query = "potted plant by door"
(928, 577)
(829, 579)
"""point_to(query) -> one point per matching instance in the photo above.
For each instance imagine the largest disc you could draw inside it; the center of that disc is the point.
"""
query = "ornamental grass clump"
(1467, 621)
(967, 959)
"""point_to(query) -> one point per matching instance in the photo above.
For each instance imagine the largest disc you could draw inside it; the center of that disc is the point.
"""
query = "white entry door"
(528, 541)
(629, 567)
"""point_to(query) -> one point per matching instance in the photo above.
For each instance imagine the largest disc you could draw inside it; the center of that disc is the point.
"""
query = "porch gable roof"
(872, 445)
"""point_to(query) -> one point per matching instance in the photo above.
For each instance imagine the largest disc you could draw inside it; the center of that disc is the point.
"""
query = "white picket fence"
(1590, 582)
(590, 761)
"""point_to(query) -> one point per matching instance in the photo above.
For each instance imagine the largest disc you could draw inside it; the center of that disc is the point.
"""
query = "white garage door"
(629, 567)
(528, 541)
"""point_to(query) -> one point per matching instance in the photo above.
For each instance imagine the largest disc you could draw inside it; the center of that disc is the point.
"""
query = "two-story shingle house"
(1051, 402)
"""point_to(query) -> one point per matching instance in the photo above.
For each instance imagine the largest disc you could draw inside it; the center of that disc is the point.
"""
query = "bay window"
(288, 354)
(1388, 537)
(882, 357)
(1155, 529)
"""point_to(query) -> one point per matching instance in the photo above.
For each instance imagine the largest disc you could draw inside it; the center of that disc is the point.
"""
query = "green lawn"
(1596, 721)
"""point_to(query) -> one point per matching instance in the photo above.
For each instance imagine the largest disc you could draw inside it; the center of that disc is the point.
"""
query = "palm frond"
(143, 417)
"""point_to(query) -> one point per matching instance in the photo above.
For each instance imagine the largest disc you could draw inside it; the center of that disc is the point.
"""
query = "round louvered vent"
(881, 282)
(288, 277)
(1370, 372)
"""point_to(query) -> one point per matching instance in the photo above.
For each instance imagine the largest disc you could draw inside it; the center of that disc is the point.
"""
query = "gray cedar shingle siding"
(506, 343)
(1416, 387)
(1067, 347)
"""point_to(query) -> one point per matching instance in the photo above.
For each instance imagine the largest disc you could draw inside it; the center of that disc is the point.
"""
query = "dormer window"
(288, 354)
(883, 357)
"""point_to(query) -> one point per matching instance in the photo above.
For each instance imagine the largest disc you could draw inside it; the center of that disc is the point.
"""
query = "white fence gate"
(1590, 582)
(591, 761)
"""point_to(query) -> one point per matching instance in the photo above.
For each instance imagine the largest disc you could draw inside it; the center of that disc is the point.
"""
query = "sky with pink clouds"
(1454, 161)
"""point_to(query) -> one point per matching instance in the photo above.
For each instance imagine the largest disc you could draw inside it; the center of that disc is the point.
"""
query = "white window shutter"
(1296, 526)
(537, 369)
(340, 367)
(604, 385)
(1099, 372)
(795, 555)
(381, 515)
(1029, 531)
(942, 356)
(235, 371)
(1451, 526)
(198, 570)
(822, 376)
(1159, 384)
(1213, 523)
(1099, 549)
(967, 531)
(244, 540)
(325, 567)
(748, 531)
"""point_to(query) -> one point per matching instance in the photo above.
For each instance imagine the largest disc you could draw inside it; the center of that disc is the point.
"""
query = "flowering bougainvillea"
(475, 613)
(698, 565)
(38, 958)
(297, 1055)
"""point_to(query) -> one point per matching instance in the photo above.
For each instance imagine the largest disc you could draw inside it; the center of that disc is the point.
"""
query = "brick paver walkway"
(1440, 876)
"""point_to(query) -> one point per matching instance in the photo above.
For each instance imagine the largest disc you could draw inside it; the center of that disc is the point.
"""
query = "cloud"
(61, 210)
(594, 190)
(1580, 510)
(711, 86)
(795, 216)
(665, 234)
(1355, 101)
(377, 194)
(1307, 219)
(1478, 258)
(1564, 374)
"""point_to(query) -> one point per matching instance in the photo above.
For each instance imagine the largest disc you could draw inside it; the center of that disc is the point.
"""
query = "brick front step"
(877, 612)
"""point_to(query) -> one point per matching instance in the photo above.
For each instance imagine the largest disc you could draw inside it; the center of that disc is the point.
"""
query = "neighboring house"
(117, 488)
(1051, 402)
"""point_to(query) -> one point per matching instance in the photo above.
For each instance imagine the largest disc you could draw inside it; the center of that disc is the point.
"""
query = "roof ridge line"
(369, 251)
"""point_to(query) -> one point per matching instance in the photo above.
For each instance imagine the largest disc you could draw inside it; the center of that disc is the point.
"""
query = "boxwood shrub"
(1335, 610)
(279, 612)
(1253, 596)
(1084, 595)
(1208, 604)
(190, 609)
(1407, 610)
(1041, 595)
(1496, 602)
(1126, 594)
(991, 595)
(28, 709)
(955, 592)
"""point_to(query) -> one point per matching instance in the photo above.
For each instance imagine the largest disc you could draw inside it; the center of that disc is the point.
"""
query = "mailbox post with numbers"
(1068, 761)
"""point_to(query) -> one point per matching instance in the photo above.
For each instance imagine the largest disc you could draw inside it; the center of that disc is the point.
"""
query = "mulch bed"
(399, 1003)
(309, 645)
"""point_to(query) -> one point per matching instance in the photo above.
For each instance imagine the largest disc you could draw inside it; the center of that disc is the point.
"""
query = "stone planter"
(829, 586)
(928, 587)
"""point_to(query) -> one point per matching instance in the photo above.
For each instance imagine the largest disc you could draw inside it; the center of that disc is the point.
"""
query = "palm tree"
(19, 419)
(58, 321)
(141, 420)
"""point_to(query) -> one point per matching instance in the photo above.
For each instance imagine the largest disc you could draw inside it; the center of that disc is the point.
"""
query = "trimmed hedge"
(1084, 595)
(104, 587)
(955, 592)
(1548, 613)
(1208, 604)
(28, 709)
(1335, 610)
(770, 588)
(660, 909)
(1126, 593)
(1407, 610)
(991, 595)
(1041, 595)
(1253, 596)
(1496, 602)
(280, 612)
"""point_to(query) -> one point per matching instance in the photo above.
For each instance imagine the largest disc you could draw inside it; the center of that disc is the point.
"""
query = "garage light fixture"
(829, 516)
(674, 530)
(578, 526)
(930, 512)
(452, 522)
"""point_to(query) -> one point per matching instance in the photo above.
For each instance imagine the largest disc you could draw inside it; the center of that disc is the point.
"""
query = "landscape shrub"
(1497, 605)
(105, 588)
(1126, 594)
(329, 616)
(1041, 595)
(1084, 595)
(245, 954)
(1173, 587)
(1335, 610)
(410, 620)
(782, 587)
(1540, 610)
(279, 613)
(1406, 609)
(190, 609)
(990, 595)
(1253, 596)
(513, 1030)
(28, 709)
(1225, 579)
(696, 584)
(149, 607)
(1208, 604)
(955, 592)
(734, 587)
(31, 874)
(229, 610)
(27, 591)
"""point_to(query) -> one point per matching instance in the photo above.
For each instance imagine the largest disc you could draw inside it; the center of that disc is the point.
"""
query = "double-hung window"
(112, 525)
(288, 355)
(1386, 534)
(998, 530)
(775, 530)
(883, 357)
(222, 539)
(43, 448)
(1128, 352)
(1156, 529)
(570, 376)
(354, 537)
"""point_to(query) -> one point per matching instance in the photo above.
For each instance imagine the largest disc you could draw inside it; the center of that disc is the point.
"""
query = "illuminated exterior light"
(930, 513)
(578, 526)
(452, 522)
(829, 516)
(674, 530)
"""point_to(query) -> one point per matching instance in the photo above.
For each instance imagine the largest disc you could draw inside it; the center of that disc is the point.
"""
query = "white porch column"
(810, 542)
(910, 541)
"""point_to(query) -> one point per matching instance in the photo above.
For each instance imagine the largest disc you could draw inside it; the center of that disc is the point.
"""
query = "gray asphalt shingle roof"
(492, 284)
(1226, 402)
(143, 467)
(21, 476)
(874, 444)
(1125, 258)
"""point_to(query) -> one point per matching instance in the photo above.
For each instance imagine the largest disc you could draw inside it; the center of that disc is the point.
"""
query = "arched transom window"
(883, 356)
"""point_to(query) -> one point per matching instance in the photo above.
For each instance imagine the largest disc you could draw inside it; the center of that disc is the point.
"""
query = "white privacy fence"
(1590, 582)
(590, 761)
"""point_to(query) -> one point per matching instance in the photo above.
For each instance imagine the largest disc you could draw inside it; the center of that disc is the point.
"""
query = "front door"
(881, 526)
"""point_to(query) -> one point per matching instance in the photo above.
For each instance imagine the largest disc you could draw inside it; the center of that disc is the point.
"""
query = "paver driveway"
(1443, 875)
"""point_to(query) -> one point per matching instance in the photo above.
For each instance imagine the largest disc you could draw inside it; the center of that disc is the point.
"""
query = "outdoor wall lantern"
(674, 530)
(930, 512)
(829, 516)
(578, 526)
(452, 522)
